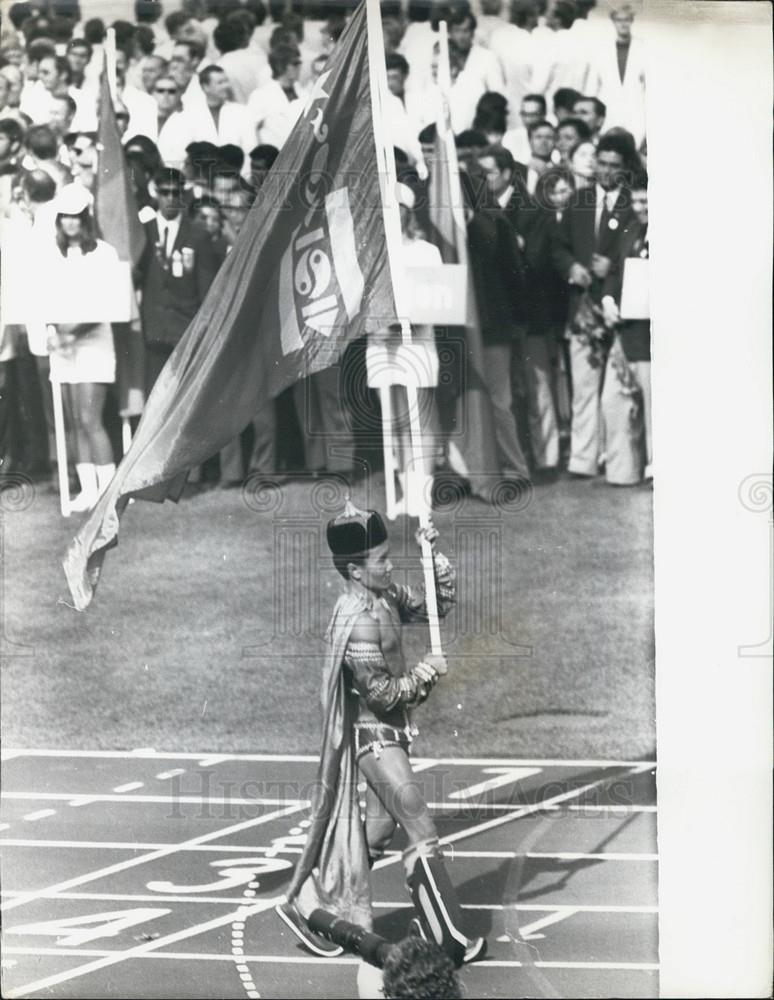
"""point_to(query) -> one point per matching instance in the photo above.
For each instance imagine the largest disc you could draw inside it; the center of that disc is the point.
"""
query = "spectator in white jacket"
(224, 122)
(621, 68)
(275, 107)
(513, 45)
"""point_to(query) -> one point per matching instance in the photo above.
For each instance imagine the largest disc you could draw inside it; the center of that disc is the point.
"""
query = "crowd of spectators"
(547, 106)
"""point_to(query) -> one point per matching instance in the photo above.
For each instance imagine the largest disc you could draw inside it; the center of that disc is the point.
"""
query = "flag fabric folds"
(309, 273)
(471, 442)
(115, 209)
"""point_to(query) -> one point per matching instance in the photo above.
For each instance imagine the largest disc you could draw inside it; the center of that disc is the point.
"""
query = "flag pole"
(385, 152)
(61, 446)
(110, 63)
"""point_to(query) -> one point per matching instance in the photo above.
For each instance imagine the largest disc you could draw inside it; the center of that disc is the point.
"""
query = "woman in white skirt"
(83, 357)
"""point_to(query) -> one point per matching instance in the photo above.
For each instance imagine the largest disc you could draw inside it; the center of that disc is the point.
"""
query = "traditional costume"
(368, 694)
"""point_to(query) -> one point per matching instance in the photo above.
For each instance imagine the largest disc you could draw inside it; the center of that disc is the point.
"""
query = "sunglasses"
(165, 90)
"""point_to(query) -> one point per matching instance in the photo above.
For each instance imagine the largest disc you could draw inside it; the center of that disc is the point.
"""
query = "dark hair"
(229, 36)
(169, 175)
(394, 60)
(195, 49)
(503, 157)
(147, 11)
(174, 22)
(125, 32)
(231, 157)
(206, 201)
(639, 180)
(295, 24)
(89, 227)
(581, 128)
(281, 57)
(418, 968)
(208, 72)
(454, 14)
(39, 186)
(41, 142)
(258, 10)
(548, 181)
(419, 10)
(18, 14)
(469, 138)
(39, 49)
(145, 40)
(61, 29)
(80, 43)
(600, 109)
(565, 98)
(564, 11)
(265, 152)
(490, 120)
(149, 152)
(492, 100)
(428, 134)
(94, 30)
(539, 124)
(391, 9)
(12, 130)
(521, 10)
(536, 99)
(282, 36)
(69, 10)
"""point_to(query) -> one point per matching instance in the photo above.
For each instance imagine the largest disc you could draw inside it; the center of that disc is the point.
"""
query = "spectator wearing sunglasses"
(174, 273)
(275, 107)
(174, 128)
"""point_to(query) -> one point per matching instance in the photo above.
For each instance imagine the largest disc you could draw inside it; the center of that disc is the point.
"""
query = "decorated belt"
(376, 736)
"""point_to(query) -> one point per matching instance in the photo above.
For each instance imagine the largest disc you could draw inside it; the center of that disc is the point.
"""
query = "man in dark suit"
(586, 242)
(174, 273)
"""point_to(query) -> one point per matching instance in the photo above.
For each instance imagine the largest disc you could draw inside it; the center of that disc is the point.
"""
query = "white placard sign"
(635, 293)
(100, 294)
(437, 294)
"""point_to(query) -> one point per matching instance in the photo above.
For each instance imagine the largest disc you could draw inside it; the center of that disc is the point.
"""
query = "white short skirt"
(90, 358)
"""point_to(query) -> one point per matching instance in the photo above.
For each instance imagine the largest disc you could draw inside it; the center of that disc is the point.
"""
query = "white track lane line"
(387, 905)
(247, 848)
(153, 856)
(147, 754)
(186, 956)
(130, 786)
(40, 814)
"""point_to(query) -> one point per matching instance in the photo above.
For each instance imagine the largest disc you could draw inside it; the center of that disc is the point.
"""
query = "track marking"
(247, 848)
(153, 856)
(197, 800)
(5, 826)
(82, 800)
(77, 799)
(230, 900)
(313, 758)
(174, 773)
(212, 761)
(505, 776)
(40, 814)
(130, 786)
(186, 956)
(113, 958)
(527, 931)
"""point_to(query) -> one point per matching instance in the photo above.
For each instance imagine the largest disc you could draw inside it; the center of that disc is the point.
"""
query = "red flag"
(307, 274)
(471, 445)
(115, 209)
(115, 206)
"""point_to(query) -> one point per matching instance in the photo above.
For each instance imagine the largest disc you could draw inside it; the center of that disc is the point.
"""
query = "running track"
(145, 874)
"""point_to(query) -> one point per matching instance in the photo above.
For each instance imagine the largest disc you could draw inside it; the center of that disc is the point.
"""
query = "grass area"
(206, 631)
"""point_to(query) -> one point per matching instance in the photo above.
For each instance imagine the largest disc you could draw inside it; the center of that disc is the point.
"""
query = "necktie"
(290, 92)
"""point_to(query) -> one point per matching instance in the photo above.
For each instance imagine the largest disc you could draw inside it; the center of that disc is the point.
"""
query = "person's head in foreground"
(420, 969)
(360, 549)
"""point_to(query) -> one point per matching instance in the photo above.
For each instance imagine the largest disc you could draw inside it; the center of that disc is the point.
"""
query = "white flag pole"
(61, 447)
(386, 163)
(388, 444)
(110, 63)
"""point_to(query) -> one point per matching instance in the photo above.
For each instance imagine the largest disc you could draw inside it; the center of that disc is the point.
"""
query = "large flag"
(306, 276)
(115, 209)
(471, 442)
